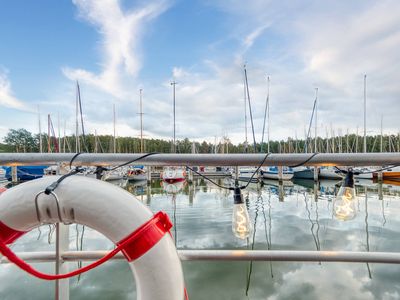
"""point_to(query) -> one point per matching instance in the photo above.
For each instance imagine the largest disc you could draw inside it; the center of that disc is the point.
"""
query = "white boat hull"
(172, 174)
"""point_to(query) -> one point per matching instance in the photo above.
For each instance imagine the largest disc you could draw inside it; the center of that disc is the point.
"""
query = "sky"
(115, 48)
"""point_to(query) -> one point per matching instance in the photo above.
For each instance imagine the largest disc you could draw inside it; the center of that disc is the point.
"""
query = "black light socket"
(237, 196)
(349, 179)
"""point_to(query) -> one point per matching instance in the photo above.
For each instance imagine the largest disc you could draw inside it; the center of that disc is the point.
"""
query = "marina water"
(291, 216)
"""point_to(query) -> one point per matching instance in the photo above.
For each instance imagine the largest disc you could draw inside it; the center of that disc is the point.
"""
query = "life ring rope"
(133, 246)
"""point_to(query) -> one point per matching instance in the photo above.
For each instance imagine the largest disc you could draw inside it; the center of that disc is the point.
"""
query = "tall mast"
(251, 115)
(268, 124)
(40, 133)
(65, 125)
(316, 120)
(114, 142)
(357, 140)
(77, 146)
(173, 83)
(95, 141)
(365, 114)
(48, 134)
(327, 140)
(398, 141)
(245, 112)
(141, 123)
(266, 113)
(381, 133)
(59, 131)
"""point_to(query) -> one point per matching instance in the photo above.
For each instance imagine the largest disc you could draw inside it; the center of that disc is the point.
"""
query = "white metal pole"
(114, 142)
(141, 123)
(77, 146)
(365, 114)
(316, 121)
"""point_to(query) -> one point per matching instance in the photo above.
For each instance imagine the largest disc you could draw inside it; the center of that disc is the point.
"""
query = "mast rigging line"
(80, 110)
(251, 114)
(309, 127)
(265, 117)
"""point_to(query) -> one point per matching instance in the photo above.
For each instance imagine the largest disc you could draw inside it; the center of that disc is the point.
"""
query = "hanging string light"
(241, 226)
(344, 206)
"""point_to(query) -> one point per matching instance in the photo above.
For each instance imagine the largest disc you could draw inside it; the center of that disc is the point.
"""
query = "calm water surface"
(293, 216)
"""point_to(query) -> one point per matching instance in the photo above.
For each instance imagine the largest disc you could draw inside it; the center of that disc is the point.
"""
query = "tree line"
(21, 140)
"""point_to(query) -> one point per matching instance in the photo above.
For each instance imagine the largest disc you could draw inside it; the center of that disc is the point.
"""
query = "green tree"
(21, 140)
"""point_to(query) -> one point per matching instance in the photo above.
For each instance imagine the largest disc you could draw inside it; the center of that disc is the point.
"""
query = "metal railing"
(62, 253)
(229, 255)
(96, 159)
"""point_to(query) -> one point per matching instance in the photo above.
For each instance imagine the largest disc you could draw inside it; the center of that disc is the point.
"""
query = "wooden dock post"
(316, 171)
(148, 174)
(14, 177)
(280, 173)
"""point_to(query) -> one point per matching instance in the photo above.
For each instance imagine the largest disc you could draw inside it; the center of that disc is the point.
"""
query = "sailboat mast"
(365, 113)
(266, 111)
(114, 142)
(64, 138)
(268, 124)
(95, 141)
(173, 83)
(141, 123)
(40, 133)
(357, 140)
(316, 120)
(245, 113)
(381, 133)
(59, 130)
(48, 134)
(77, 146)
(251, 115)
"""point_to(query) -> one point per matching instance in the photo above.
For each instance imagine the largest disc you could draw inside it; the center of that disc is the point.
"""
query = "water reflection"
(366, 230)
(286, 216)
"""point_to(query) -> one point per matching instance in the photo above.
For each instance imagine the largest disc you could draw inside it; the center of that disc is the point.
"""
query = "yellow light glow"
(241, 225)
(344, 206)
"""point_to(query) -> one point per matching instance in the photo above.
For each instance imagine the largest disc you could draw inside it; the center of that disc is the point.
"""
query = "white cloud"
(328, 45)
(7, 98)
(304, 45)
(314, 281)
(121, 33)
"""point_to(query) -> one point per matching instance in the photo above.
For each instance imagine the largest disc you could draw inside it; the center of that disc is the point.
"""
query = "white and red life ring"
(106, 208)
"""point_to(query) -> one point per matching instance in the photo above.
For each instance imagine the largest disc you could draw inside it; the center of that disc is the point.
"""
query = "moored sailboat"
(273, 173)
(173, 173)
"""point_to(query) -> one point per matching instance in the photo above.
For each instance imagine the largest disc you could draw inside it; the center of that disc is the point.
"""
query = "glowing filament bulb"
(241, 226)
(344, 207)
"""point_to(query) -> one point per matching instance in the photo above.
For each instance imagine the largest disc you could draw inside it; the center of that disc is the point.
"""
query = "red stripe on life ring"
(9, 235)
(145, 237)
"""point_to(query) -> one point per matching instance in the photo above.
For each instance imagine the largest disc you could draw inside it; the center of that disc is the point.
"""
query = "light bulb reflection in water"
(345, 206)
(241, 225)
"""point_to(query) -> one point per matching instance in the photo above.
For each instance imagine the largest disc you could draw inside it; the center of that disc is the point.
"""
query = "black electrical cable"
(306, 161)
(256, 171)
(54, 185)
(133, 160)
(232, 188)
(73, 158)
(77, 170)
(210, 180)
(369, 172)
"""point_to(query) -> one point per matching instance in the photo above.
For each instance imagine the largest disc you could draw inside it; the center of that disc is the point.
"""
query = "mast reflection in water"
(202, 216)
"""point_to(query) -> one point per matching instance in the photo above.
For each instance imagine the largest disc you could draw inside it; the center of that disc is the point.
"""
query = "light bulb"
(241, 226)
(344, 206)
